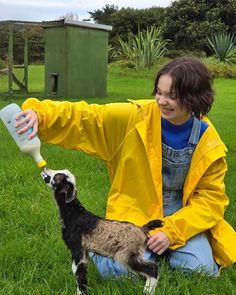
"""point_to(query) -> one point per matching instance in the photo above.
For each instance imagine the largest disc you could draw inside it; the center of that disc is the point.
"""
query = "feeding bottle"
(27, 146)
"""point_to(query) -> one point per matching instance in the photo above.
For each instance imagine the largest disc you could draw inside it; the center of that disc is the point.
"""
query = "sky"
(46, 10)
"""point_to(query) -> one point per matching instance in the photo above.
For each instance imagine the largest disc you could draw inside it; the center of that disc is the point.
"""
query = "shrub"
(173, 53)
(223, 47)
(144, 49)
(222, 70)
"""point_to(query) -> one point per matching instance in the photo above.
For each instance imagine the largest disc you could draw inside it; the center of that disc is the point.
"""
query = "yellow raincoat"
(127, 137)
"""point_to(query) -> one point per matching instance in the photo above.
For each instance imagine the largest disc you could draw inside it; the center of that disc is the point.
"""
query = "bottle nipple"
(42, 164)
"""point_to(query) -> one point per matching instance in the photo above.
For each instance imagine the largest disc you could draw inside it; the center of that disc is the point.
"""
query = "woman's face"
(168, 102)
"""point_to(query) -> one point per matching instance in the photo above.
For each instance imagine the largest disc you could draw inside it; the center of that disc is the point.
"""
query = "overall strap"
(195, 133)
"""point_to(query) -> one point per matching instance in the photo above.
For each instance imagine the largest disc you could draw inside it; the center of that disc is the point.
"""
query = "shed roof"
(58, 23)
(65, 22)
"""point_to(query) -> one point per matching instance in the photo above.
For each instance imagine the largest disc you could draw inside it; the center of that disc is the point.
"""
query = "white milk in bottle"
(27, 146)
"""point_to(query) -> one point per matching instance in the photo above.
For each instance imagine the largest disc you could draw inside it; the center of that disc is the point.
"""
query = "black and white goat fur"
(84, 232)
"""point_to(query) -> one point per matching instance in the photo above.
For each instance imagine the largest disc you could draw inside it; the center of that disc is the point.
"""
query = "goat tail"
(152, 225)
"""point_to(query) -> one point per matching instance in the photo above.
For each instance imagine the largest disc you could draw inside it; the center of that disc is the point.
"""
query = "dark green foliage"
(18, 45)
(3, 40)
(18, 49)
(127, 20)
(132, 20)
(188, 23)
(35, 44)
(104, 15)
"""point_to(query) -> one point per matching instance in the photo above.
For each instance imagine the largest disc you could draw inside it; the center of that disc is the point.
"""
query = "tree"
(18, 44)
(3, 41)
(36, 44)
(104, 15)
(188, 23)
(127, 20)
(228, 15)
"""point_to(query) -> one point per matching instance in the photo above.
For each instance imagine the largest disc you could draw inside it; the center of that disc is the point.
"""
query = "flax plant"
(145, 48)
(223, 45)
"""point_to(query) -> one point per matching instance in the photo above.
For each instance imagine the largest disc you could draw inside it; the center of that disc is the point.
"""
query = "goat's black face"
(62, 182)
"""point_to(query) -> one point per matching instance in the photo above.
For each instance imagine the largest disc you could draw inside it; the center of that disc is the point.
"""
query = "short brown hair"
(191, 83)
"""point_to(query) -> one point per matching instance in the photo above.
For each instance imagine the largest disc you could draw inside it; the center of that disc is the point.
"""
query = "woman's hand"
(158, 243)
(29, 117)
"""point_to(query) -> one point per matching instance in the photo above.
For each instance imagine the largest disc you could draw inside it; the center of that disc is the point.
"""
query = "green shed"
(76, 55)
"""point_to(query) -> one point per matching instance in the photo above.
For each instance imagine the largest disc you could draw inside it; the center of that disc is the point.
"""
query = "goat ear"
(70, 193)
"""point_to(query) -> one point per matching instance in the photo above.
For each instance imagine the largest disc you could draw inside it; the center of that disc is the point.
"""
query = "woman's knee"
(196, 255)
(188, 262)
(108, 267)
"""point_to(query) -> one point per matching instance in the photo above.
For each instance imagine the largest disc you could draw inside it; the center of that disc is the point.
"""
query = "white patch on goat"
(150, 285)
(74, 270)
(74, 267)
(52, 173)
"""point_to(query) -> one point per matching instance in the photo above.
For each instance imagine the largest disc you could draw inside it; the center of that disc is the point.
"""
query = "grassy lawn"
(33, 258)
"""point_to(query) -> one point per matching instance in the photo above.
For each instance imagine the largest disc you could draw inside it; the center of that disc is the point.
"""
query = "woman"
(165, 160)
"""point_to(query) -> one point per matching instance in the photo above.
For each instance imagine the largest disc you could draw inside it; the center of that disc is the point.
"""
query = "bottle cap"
(41, 164)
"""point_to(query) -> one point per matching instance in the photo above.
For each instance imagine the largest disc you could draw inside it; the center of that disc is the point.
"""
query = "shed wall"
(79, 55)
(55, 58)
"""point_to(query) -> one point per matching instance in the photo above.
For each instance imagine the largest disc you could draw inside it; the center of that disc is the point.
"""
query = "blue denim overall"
(197, 252)
(175, 166)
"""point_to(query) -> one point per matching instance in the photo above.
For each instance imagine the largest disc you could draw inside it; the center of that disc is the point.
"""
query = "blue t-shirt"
(177, 136)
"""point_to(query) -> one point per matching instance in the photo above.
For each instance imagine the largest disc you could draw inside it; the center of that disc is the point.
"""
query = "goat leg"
(147, 269)
(79, 268)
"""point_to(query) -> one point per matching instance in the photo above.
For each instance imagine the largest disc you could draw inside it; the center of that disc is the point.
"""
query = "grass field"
(33, 258)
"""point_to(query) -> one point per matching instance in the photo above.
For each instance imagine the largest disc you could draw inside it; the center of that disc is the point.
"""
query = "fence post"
(10, 59)
(26, 58)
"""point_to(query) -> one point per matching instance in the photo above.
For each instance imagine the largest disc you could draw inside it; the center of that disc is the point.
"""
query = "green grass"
(33, 257)
(36, 80)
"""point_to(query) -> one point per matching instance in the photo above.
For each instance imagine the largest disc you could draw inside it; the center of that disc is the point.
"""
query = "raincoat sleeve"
(205, 208)
(97, 130)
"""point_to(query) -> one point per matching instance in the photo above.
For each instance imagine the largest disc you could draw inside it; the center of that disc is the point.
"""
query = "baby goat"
(84, 232)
